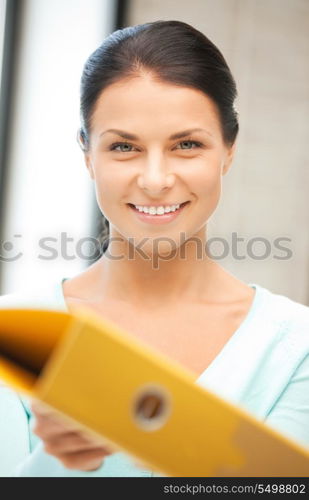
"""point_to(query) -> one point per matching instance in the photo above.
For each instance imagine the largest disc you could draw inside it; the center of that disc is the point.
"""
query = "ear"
(89, 166)
(229, 158)
(80, 137)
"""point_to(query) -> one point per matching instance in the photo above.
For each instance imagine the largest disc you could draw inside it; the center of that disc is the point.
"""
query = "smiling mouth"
(158, 218)
(180, 206)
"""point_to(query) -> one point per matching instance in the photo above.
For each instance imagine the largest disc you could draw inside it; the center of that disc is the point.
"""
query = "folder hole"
(150, 410)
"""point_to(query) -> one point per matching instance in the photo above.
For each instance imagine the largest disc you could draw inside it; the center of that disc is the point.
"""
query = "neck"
(161, 278)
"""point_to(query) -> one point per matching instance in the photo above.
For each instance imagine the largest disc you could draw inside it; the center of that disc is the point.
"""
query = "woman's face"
(152, 168)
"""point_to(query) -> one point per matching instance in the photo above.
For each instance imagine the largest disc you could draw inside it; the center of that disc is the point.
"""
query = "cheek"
(205, 182)
(111, 188)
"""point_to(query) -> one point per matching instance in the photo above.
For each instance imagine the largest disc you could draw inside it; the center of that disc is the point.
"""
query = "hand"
(67, 441)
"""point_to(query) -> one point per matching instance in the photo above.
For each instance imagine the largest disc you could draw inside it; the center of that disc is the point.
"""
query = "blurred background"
(48, 213)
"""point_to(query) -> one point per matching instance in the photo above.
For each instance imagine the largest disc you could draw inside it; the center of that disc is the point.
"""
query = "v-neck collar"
(227, 349)
(232, 350)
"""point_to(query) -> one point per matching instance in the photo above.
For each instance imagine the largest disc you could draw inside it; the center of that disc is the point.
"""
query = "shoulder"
(284, 310)
(286, 318)
(85, 284)
(43, 296)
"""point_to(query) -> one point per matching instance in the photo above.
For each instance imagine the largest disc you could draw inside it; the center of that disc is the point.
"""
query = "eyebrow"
(132, 137)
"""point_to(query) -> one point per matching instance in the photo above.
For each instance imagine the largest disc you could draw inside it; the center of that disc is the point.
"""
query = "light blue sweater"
(263, 368)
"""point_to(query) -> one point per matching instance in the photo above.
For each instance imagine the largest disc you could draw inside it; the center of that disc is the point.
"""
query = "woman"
(158, 132)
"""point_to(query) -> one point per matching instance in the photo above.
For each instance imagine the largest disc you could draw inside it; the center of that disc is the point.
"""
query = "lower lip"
(158, 219)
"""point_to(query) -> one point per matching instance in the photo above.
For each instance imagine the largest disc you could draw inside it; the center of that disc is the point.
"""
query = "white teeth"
(160, 210)
(157, 210)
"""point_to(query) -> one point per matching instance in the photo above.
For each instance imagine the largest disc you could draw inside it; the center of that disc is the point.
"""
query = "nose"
(155, 177)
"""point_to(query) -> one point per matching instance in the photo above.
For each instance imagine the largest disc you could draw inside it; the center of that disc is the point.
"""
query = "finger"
(45, 428)
(40, 408)
(86, 460)
(49, 429)
(71, 443)
(95, 438)
(49, 423)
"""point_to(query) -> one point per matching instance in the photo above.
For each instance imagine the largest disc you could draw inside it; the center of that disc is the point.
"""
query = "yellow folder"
(137, 399)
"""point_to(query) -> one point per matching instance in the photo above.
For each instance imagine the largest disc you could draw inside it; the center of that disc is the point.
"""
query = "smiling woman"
(158, 133)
